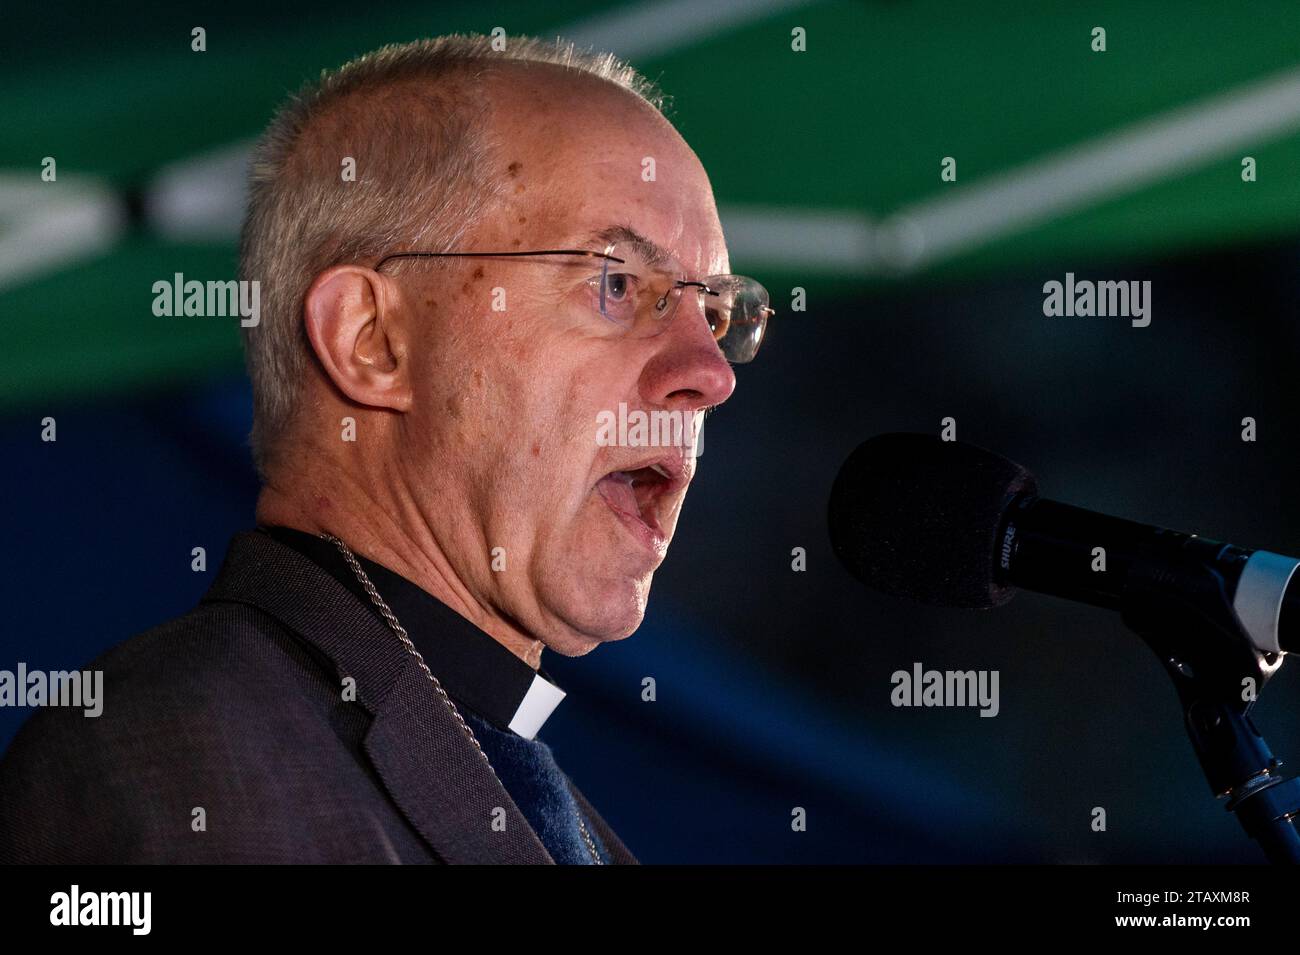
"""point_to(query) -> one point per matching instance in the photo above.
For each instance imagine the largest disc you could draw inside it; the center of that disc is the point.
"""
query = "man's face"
(503, 445)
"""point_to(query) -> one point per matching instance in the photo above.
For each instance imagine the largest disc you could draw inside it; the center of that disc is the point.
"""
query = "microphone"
(954, 525)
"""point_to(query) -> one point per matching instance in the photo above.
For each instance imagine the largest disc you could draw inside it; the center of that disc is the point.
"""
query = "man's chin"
(578, 644)
(615, 617)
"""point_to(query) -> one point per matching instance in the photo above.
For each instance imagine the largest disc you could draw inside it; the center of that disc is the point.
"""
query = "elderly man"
(469, 256)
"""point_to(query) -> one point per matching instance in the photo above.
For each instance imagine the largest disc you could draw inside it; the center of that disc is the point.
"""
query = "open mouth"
(641, 495)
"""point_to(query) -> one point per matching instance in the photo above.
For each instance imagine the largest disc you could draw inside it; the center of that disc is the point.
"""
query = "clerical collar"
(475, 670)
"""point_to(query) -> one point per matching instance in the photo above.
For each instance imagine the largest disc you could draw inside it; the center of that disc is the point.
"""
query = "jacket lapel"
(433, 771)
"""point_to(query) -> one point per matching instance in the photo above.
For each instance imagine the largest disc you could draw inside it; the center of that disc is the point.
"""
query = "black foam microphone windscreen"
(917, 517)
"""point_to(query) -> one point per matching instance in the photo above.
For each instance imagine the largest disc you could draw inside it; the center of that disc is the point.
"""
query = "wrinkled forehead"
(588, 164)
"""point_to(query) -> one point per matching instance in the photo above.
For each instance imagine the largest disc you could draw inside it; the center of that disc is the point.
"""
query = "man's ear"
(354, 326)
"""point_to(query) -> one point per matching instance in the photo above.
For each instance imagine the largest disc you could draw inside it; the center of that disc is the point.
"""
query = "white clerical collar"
(535, 708)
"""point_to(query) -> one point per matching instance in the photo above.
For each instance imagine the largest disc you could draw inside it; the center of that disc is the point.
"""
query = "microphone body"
(1080, 555)
(955, 525)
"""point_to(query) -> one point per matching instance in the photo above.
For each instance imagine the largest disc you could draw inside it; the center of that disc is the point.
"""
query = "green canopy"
(827, 162)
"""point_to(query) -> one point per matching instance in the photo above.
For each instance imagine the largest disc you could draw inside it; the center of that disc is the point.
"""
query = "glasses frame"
(494, 255)
(767, 313)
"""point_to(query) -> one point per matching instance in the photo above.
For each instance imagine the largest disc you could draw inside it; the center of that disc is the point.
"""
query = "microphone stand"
(1214, 666)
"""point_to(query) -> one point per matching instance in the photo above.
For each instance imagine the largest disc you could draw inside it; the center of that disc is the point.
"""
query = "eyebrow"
(652, 252)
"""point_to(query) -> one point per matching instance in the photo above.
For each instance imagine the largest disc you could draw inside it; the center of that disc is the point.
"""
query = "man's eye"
(618, 286)
(718, 323)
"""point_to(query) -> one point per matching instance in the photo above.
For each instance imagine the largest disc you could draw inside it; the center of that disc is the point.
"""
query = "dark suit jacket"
(237, 709)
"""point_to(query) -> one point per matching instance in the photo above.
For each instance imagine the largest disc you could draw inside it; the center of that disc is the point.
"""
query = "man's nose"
(688, 369)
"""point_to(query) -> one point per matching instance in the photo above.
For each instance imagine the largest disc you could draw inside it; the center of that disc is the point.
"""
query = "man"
(469, 258)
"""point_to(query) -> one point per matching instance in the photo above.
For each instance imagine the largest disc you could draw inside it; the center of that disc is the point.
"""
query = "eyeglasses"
(638, 290)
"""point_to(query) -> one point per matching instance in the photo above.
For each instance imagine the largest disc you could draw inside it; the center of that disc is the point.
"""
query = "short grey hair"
(421, 147)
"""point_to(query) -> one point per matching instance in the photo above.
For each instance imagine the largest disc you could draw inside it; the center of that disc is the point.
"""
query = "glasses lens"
(640, 295)
(736, 308)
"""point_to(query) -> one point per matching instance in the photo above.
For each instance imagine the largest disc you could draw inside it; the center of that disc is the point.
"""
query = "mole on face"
(477, 274)
(514, 168)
